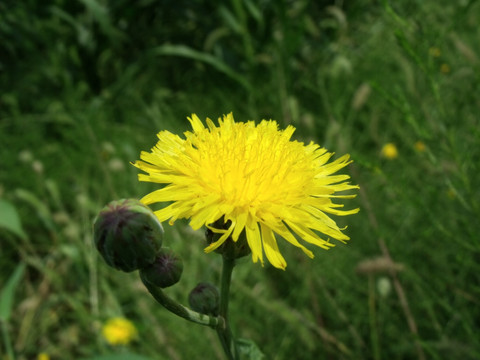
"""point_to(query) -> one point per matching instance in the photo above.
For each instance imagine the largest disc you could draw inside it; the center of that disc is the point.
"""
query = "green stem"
(180, 310)
(6, 340)
(224, 332)
(373, 319)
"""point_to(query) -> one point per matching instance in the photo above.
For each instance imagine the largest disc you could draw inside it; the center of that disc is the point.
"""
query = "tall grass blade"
(6, 297)
(187, 52)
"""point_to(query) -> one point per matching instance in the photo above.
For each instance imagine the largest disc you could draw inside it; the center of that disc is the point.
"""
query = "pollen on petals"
(254, 177)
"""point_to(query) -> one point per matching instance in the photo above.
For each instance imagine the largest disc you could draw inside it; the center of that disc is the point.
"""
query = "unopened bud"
(127, 234)
(165, 271)
(205, 299)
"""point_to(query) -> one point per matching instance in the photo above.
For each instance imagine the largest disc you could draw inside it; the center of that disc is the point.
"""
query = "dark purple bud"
(165, 271)
(127, 234)
(205, 299)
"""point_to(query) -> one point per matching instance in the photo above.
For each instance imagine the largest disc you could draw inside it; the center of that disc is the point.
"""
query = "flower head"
(445, 68)
(435, 51)
(389, 151)
(119, 331)
(253, 179)
(420, 146)
(43, 356)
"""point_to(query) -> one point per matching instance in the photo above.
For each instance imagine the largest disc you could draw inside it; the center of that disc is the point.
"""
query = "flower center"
(248, 166)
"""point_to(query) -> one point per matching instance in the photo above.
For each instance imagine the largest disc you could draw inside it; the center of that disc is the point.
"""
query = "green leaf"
(10, 220)
(6, 297)
(187, 52)
(254, 10)
(123, 356)
(42, 210)
(230, 19)
(249, 350)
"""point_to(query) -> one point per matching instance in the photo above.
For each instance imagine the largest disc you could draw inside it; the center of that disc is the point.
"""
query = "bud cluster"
(129, 237)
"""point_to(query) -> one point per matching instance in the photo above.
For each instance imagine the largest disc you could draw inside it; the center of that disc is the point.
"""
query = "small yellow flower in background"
(119, 331)
(389, 151)
(445, 69)
(420, 146)
(434, 51)
(43, 356)
(451, 193)
(254, 178)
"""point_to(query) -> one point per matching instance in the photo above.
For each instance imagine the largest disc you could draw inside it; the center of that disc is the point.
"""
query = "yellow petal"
(254, 241)
(271, 248)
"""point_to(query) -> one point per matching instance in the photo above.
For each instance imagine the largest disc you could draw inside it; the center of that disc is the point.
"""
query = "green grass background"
(85, 86)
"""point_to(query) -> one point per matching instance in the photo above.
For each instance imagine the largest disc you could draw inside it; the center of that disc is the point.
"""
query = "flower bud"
(127, 234)
(165, 271)
(205, 299)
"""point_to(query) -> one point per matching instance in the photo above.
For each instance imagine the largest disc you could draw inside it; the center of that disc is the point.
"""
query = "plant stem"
(373, 318)
(6, 340)
(396, 282)
(180, 310)
(225, 333)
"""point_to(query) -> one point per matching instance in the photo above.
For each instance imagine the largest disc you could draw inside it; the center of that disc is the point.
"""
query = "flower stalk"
(225, 333)
(180, 310)
(220, 323)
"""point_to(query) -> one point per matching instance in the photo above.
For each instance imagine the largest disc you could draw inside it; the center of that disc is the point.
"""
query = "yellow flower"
(435, 52)
(389, 151)
(420, 146)
(445, 68)
(43, 356)
(119, 331)
(451, 193)
(254, 178)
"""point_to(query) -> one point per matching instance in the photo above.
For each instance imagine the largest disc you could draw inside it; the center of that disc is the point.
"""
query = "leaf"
(10, 220)
(101, 14)
(6, 297)
(42, 210)
(249, 350)
(187, 52)
(254, 10)
(230, 19)
(123, 356)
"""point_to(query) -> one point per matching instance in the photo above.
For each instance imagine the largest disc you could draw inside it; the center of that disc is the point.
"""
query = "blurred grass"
(86, 85)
